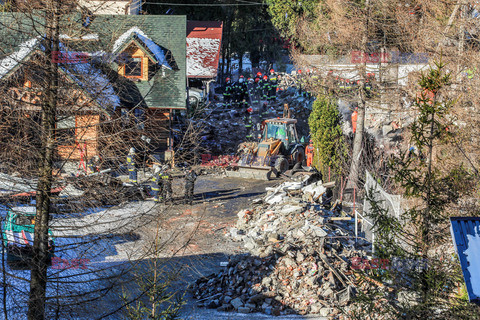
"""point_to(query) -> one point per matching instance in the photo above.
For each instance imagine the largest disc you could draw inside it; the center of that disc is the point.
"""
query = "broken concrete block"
(237, 303)
(244, 310)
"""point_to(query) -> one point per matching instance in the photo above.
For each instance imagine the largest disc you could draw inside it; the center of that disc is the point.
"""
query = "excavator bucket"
(252, 173)
(254, 167)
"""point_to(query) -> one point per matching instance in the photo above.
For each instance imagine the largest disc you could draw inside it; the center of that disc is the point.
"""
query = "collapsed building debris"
(221, 120)
(299, 257)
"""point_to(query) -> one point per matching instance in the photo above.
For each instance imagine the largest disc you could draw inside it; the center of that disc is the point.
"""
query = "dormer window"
(133, 67)
(139, 57)
(133, 63)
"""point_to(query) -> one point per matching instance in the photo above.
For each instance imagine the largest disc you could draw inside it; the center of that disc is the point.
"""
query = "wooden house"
(128, 70)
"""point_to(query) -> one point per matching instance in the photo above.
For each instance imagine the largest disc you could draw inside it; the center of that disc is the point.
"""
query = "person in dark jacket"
(227, 94)
(132, 166)
(190, 178)
(167, 184)
(157, 184)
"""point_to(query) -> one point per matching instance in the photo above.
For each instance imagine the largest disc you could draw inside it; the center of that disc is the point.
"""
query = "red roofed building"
(204, 41)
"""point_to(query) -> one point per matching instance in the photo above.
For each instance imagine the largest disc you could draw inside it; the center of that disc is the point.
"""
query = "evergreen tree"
(326, 134)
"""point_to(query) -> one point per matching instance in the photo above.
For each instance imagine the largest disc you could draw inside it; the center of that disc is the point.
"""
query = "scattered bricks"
(293, 266)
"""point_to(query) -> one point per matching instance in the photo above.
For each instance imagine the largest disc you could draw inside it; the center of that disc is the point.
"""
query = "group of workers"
(162, 180)
(254, 88)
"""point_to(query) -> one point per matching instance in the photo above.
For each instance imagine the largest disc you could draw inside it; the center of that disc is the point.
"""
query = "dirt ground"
(190, 240)
(200, 231)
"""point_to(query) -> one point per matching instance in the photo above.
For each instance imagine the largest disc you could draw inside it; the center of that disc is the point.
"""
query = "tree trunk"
(38, 281)
(360, 129)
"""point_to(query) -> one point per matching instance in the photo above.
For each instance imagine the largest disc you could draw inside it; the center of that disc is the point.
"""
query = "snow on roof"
(9, 63)
(154, 48)
(24, 210)
(125, 36)
(202, 57)
(204, 40)
(91, 36)
(88, 77)
(93, 81)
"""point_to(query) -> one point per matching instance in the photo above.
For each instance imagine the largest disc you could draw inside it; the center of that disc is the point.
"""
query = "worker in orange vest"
(354, 119)
(309, 153)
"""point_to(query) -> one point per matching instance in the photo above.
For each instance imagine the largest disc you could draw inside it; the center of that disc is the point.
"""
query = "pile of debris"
(299, 261)
(223, 127)
(219, 161)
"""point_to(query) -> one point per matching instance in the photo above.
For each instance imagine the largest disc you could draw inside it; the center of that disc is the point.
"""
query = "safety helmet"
(132, 150)
(250, 110)
(228, 79)
(308, 70)
(256, 80)
(265, 77)
(299, 71)
(272, 71)
(259, 74)
(241, 76)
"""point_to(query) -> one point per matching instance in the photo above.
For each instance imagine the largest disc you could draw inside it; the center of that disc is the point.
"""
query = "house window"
(133, 67)
(65, 133)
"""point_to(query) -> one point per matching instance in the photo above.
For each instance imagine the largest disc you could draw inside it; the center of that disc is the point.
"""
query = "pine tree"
(426, 286)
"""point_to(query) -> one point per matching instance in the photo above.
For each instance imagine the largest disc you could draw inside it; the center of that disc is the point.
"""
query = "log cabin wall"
(157, 126)
(86, 139)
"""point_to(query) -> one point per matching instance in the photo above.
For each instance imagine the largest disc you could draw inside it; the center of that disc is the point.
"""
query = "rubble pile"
(219, 161)
(224, 126)
(299, 259)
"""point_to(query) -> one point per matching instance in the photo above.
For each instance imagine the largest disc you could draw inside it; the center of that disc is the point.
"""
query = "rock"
(300, 257)
(227, 299)
(236, 303)
(250, 305)
(327, 293)
(386, 129)
(324, 312)
(276, 312)
(315, 308)
(244, 310)
(256, 298)
(212, 304)
(224, 307)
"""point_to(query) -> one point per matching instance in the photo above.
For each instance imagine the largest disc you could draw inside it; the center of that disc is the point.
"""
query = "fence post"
(356, 216)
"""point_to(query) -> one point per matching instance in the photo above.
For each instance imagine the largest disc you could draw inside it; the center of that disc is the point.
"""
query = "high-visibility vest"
(354, 120)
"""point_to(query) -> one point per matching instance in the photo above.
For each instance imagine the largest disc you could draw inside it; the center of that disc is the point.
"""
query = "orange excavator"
(278, 150)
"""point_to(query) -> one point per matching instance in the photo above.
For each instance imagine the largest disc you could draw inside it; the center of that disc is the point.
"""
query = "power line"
(241, 3)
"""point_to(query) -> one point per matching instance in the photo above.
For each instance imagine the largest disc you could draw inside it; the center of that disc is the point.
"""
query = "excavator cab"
(283, 129)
